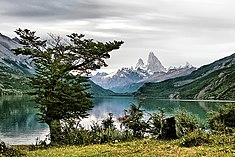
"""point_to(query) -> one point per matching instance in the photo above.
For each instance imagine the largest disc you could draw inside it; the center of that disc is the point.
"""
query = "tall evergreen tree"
(60, 80)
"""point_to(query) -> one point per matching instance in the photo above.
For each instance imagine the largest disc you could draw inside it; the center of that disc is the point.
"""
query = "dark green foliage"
(97, 134)
(195, 138)
(12, 82)
(223, 119)
(222, 130)
(165, 127)
(212, 81)
(98, 91)
(134, 120)
(61, 96)
(108, 123)
(155, 122)
(8, 151)
(186, 122)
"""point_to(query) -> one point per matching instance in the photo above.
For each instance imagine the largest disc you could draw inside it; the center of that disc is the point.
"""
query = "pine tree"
(60, 80)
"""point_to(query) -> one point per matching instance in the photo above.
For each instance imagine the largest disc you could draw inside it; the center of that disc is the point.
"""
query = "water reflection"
(199, 108)
(18, 121)
(19, 125)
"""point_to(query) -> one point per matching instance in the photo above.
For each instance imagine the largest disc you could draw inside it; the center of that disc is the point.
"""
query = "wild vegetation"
(212, 81)
(105, 139)
(60, 89)
(60, 80)
(12, 82)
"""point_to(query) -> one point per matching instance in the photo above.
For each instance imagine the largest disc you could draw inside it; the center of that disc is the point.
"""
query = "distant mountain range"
(212, 81)
(15, 69)
(8, 59)
(128, 80)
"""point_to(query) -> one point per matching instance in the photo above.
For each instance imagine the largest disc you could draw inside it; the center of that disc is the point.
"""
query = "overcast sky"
(197, 31)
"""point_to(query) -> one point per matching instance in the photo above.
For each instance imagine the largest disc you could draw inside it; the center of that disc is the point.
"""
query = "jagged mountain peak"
(101, 74)
(154, 64)
(130, 79)
(140, 64)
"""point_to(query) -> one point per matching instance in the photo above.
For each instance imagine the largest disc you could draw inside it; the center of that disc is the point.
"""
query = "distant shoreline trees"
(60, 81)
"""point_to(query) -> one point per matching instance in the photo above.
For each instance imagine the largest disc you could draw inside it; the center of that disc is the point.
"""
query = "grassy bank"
(144, 147)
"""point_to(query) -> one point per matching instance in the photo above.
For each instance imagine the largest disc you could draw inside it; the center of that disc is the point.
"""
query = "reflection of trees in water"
(200, 108)
(115, 105)
(18, 115)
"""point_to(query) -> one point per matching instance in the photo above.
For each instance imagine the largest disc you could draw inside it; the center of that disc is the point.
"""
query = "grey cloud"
(45, 9)
(184, 28)
(71, 9)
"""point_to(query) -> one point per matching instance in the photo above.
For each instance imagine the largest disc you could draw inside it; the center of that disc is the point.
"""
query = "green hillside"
(98, 91)
(12, 82)
(212, 81)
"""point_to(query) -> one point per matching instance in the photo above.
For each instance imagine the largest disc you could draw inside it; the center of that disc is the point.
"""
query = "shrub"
(155, 122)
(134, 120)
(8, 151)
(223, 119)
(98, 133)
(195, 138)
(185, 122)
(108, 122)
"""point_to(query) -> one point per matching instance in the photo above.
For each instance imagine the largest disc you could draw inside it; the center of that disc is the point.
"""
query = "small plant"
(155, 122)
(223, 119)
(8, 151)
(40, 144)
(195, 138)
(186, 122)
(134, 120)
(108, 123)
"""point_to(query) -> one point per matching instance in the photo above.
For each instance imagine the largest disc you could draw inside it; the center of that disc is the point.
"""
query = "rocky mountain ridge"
(8, 59)
(212, 81)
(14, 70)
(130, 79)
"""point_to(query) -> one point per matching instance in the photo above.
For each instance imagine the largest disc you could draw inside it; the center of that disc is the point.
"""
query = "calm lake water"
(19, 125)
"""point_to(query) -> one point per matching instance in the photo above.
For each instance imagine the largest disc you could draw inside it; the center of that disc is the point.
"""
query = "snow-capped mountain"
(153, 64)
(8, 59)
(130, 79)
(170, 73)
(122, 77)
(140, 64)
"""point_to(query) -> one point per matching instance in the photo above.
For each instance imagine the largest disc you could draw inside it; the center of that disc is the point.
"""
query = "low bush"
(185, 122)
(134, 121)
(195, 138)
(223, 119)
(8, 151)
(155, 122)
(98, 133)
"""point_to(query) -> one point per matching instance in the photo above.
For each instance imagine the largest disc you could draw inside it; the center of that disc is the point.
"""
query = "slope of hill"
(12, 82)
(98, 91)
(15, 69)
(212, 81)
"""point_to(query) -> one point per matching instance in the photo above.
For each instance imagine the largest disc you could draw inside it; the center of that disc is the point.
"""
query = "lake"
(19, 122)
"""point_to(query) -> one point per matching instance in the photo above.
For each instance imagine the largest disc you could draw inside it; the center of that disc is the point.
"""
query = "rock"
(168, 130)
(140, 64)
(153, 64)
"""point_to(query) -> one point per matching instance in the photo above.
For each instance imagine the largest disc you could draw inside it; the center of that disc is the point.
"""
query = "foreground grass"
(145, 147)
